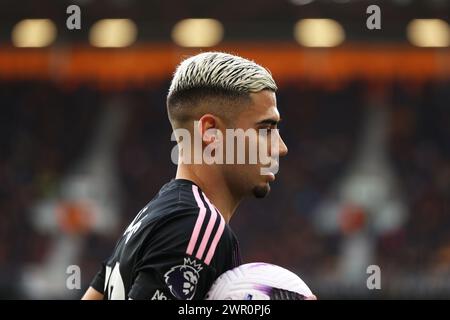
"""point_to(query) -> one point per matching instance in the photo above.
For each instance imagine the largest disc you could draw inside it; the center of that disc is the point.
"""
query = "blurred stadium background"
(85, 142)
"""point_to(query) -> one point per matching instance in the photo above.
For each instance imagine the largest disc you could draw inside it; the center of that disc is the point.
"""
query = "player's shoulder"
(184, 214)
(184, 202)
(182, 206)
(176, 198)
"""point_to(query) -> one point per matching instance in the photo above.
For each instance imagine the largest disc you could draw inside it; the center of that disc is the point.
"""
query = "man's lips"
(272, 171)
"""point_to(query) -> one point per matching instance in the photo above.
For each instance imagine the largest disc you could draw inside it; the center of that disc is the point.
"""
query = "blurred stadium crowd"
(45, 130)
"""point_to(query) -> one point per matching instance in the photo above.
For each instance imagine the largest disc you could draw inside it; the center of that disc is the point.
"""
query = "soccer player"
(180, 242)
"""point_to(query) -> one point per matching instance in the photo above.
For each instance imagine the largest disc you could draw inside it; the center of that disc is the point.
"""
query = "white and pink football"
(259, 281)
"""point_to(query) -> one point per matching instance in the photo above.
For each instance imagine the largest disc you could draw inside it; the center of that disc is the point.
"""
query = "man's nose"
(283, 148)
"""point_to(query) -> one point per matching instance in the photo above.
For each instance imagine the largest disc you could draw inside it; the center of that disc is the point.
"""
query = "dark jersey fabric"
(175, 248)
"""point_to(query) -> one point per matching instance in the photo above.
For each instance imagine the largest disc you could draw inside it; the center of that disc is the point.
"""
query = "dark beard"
(261, 192)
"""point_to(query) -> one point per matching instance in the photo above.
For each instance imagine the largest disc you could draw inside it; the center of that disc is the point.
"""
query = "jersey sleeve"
(98, 283)
(184, 256)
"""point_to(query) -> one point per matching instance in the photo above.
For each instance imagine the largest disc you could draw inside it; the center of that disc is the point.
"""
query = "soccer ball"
(259, 281)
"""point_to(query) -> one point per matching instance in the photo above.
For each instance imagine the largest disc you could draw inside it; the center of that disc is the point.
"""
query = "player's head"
(223, 91)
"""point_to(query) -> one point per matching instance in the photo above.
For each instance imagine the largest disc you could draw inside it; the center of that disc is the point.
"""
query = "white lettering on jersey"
(133, 227)
(114, 283)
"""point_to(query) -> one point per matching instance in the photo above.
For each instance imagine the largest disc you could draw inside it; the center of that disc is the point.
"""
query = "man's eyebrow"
(270, 121)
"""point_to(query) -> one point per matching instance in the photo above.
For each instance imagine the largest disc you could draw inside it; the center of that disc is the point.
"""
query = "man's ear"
(207, 126)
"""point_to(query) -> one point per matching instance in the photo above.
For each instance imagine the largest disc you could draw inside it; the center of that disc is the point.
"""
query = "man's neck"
(213, 185)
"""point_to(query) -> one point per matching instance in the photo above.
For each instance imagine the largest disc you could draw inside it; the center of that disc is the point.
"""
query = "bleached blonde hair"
(215, 82)
(222, 71)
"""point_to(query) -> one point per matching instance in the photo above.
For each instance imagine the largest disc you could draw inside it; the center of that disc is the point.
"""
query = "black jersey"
(175, 248)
